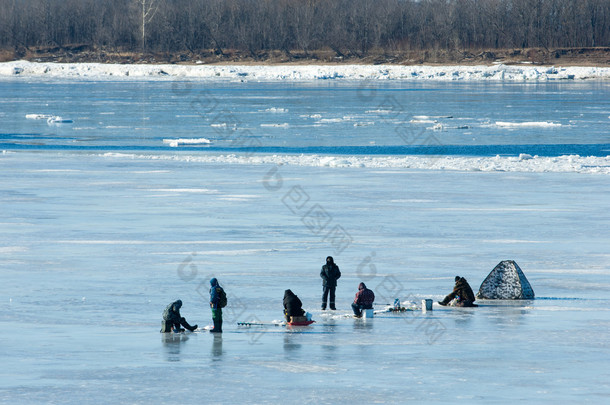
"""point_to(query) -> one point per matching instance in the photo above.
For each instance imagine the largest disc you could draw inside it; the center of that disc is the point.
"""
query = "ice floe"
(187, 141)
(537, 124)
(51, 119)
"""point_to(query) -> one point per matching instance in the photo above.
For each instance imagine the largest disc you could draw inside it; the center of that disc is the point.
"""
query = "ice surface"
(103, 224)
(88, 226)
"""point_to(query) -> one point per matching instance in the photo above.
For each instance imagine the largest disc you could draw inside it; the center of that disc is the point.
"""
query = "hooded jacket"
(172, 312)
(463, 291)
(214, 293)
(292, 304)
(330, 273)
(364, 297)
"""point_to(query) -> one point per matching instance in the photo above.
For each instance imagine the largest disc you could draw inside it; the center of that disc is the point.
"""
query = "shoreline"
(81, 53)
(300, 72)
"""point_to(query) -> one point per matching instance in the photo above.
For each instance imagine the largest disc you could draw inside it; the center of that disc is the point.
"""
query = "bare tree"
(148, 10)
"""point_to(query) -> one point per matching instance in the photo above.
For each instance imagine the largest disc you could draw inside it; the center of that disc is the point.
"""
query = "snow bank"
(522, 163)
(99, 71)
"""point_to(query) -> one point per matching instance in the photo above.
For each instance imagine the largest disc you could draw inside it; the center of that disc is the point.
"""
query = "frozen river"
(104, 222)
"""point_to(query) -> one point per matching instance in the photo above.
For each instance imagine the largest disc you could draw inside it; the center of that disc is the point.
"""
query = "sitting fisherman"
(463, 293)
(292, 305)
(172, 319)
(364, 300)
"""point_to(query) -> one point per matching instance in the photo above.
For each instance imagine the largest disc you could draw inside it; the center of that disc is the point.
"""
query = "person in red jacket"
(364, 300)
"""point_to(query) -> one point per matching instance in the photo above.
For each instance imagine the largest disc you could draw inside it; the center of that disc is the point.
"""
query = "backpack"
(222, 297)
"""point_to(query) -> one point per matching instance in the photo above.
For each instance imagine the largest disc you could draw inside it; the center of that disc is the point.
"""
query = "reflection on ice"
(217, 351)
(172, 343)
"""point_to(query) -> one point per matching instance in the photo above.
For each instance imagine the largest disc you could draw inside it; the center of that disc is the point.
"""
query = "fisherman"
(364, 300)
(330, 273)
(218, 300)
(292, 305)
(463, 293)
(172, 319)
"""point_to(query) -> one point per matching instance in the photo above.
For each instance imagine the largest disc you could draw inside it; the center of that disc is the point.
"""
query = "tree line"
(355, 27)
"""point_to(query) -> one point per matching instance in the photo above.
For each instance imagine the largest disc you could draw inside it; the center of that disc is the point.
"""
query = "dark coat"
(463, 291)
(364, 297)
(330, 273)
(172, 312)
(292, 304)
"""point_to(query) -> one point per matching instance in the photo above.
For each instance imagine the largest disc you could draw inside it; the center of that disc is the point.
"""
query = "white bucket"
(426, 305)
(367, 313)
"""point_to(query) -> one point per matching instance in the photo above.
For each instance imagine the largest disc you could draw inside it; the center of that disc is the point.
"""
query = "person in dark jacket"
(215, 291)
(463, 293)
(172, 319)
(330, 273)
(364, 300)
(292, 305)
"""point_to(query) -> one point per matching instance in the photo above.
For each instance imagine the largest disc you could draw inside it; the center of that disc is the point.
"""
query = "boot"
(184, 323)
(217, 326)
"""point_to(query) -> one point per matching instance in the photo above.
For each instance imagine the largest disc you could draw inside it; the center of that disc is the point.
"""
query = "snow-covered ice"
(100, 71)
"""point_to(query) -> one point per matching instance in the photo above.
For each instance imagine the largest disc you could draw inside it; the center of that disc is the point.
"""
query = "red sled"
(299, 321)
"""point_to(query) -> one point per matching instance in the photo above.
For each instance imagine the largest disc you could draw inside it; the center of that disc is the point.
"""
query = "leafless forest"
(346, 27)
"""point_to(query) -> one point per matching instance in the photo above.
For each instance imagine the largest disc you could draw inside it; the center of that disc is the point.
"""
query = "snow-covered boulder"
(506, 282)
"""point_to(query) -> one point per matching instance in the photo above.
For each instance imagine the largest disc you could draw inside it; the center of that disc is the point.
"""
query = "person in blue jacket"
(216, 292)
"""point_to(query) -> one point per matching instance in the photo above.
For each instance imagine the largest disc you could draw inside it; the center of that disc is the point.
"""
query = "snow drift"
(109, 71)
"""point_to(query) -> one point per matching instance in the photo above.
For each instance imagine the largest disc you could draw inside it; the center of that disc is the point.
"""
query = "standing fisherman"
(218, 300)
(330, 274)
